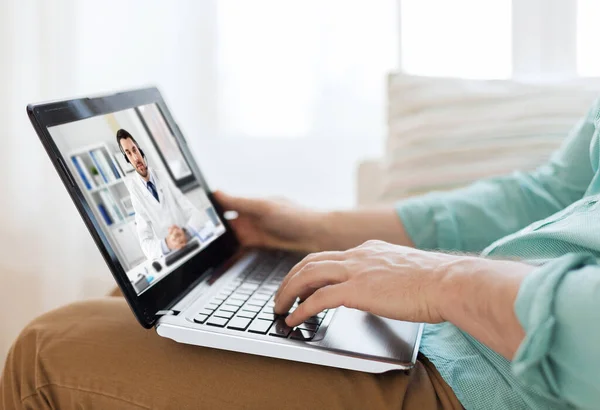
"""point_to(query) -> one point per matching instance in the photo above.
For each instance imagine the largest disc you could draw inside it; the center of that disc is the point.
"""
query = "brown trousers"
(94, 355)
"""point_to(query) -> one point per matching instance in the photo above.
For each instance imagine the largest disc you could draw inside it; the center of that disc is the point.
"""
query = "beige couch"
(444, 133)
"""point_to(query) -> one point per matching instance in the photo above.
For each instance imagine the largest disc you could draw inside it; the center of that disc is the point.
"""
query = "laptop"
(172, 251)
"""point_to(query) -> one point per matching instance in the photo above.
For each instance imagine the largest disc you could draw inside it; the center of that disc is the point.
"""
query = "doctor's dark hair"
(123, 135)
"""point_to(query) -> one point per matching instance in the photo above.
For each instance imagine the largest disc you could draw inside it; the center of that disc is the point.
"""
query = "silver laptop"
(136, 184)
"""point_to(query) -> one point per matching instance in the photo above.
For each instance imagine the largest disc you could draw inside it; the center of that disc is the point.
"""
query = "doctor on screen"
(164, 216)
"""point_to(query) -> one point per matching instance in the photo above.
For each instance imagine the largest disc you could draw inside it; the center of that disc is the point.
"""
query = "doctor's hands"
(273, 223)
(388, 280)
(176, 238)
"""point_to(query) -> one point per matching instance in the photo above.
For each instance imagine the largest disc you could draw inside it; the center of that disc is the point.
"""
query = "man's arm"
(478, 295)
(546, 319)
(470, 219)
(475, 294)
(341, 230)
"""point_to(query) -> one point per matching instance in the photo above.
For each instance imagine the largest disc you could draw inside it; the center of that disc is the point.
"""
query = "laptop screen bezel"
(173, 286)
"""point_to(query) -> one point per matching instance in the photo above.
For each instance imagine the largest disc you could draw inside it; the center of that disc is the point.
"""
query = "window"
(588, 32)
(476, 39)
(304, 69)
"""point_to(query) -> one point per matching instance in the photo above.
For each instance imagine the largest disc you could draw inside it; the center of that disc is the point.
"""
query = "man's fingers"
(313, 276)
(328, 297)
(313, 257)
(242, 205)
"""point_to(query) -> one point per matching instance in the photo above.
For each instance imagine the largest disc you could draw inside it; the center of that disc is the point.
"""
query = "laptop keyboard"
(246, 303)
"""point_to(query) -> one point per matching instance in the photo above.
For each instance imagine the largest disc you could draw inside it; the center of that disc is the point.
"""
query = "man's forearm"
(478, 296)
(341, 230)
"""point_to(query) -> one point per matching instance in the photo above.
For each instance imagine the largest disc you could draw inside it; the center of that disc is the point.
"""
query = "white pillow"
(444, 132)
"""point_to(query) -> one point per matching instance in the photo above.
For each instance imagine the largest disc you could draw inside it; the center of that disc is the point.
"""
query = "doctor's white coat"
(153, 218)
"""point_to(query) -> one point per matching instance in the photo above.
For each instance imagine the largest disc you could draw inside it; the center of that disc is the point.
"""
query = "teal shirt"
(549, 217)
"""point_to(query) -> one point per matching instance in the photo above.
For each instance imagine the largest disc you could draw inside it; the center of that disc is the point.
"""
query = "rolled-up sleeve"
(471, 218)
(558, 306)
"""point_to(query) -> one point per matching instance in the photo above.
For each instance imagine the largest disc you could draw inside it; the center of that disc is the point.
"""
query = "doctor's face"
(135, 157)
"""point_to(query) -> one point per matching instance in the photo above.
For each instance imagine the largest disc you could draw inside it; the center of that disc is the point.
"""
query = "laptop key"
(239, 323)
(217, 321)
(246, 313)
(314, 319)
(268, 309)
(302, 334)
(308, 326)
(260, 326)
(230, 308)
(252, 308)
(224, 314)
(266, 316)
(200, 318)
(280, 329)
(255, 302)
(206, 311)
(262, 297)
(234, 302)
(240, 296)
(253, 281)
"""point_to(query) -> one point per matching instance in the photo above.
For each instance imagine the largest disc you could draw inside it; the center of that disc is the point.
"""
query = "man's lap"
(96, 354)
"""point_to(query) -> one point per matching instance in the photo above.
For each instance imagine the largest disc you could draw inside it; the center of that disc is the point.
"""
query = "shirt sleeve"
(164, 247)
(558, 306)
(471, 218)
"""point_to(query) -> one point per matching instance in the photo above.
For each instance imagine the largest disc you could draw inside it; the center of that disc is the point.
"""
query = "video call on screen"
(141, 190)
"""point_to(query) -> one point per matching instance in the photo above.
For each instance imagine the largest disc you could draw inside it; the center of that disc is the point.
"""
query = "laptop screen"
(141, 189)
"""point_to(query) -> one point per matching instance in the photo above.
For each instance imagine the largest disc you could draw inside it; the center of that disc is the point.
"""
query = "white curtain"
(41, 239)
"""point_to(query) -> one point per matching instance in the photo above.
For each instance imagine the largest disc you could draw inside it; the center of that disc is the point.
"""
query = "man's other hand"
(274, 223)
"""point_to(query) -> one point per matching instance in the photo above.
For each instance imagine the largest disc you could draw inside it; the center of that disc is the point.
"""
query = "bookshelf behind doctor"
(102, 178)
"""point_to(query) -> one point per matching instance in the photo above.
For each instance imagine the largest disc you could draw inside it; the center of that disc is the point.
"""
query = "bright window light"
(588, 32)
(459, 38)
(311, 68)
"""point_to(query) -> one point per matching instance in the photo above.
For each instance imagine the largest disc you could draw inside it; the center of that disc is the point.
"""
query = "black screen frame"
(173, 287)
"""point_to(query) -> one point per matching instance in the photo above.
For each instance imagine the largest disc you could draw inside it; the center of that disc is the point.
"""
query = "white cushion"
(444, 132)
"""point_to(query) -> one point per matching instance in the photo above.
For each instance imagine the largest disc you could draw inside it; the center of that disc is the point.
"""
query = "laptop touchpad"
(357, 332)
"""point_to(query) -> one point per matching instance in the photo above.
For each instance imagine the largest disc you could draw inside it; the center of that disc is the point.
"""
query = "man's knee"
(18, 377)
(41, 352)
